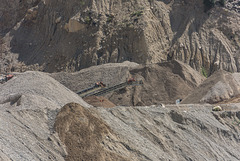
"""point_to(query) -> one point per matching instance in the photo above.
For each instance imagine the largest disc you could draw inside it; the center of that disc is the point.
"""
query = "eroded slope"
(75, 34)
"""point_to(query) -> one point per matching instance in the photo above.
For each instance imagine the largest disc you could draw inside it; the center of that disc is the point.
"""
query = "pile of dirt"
(186, 132)
(38, 84)
(162, 83)
(38, 122)
(29, 103)
(234, 99)
(192, 132)
(221, 86)
(110, 74)
(99, 101)
(84, 134)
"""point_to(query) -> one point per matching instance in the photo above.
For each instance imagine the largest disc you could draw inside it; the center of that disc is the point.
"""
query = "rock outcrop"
(69, 36)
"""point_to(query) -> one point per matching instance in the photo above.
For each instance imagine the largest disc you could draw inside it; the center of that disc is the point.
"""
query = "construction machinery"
(101, 90)
(5, 77)
(96, 87)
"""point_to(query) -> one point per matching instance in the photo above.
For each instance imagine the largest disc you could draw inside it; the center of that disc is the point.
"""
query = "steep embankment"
(221, 86)
(84, 135)
(75, 34)
(29, 103)
(149, 133)
(162, 83)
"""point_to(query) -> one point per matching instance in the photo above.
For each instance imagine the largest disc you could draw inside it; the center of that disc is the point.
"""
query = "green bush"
(110, 18)
(137, 13)
(204, 72)
(87, 20)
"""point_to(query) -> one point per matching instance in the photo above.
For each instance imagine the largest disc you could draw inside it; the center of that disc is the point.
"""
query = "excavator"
(101, 89)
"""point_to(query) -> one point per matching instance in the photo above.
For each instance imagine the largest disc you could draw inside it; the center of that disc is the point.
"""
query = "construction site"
(87, 80)
(74, 116)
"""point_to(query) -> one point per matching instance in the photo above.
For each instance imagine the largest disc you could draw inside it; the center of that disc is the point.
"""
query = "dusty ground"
(38, 125)
(99, 101)
(184, 132)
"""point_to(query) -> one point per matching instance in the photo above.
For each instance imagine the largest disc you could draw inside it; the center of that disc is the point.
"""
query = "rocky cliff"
(70, 35)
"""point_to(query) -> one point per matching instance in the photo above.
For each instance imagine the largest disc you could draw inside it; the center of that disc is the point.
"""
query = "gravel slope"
(185, 132)
(221, 86)
(162, 83)
(28, 105)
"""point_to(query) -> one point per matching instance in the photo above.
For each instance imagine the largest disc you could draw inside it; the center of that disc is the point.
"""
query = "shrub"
(137, 13)
(87, 20)
(82, 3)
(204, 72)
(110, 18)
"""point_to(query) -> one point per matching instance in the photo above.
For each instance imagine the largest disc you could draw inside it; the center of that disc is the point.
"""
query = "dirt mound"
(36, 84)
(220, 86)
(235, 99)
(29, 114)
(29, 103)
(99, 101)
(162, 83)
(83, 134)
(184, 132)
(110, 74)
(187, 132)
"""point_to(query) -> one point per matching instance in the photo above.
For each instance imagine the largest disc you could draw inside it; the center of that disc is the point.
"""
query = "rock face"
(68, 36)
(221, 86)
(162, 83)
